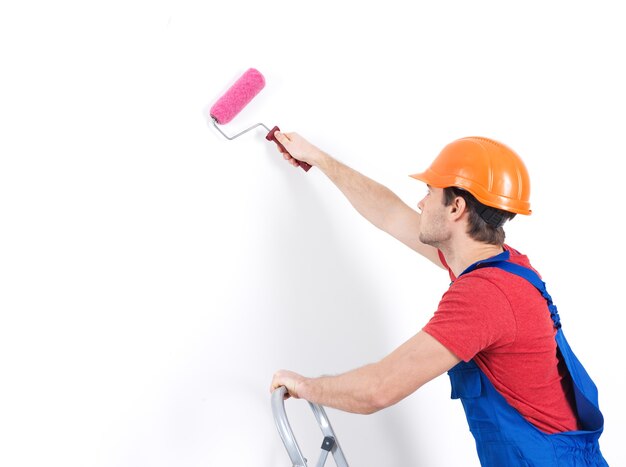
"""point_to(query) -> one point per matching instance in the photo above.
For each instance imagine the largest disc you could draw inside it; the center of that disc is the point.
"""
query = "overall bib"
(503, 437)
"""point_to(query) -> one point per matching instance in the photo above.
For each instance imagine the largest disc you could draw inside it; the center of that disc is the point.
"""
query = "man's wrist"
(303, 388)
(323, 161)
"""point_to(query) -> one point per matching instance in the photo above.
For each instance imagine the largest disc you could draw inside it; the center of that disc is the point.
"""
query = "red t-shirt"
(502, 322)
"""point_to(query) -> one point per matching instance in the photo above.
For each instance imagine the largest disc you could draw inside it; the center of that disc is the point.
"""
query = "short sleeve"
(473, 316)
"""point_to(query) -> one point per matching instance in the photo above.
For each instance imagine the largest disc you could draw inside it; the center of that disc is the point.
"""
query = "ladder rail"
(330, 443)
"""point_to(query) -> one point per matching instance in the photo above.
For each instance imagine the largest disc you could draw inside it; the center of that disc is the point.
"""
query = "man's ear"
(458, 207)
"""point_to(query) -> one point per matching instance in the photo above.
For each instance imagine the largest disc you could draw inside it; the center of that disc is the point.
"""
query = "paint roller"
(235, 99)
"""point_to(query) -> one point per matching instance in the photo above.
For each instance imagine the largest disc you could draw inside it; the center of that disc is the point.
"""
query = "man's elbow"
(378, 400)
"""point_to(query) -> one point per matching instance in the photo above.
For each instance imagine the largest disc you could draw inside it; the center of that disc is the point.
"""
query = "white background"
(154, 275)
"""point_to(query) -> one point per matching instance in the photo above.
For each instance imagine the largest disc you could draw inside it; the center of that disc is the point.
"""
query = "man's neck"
(460, 257)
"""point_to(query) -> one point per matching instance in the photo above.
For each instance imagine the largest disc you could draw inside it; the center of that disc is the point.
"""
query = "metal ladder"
(329, 444)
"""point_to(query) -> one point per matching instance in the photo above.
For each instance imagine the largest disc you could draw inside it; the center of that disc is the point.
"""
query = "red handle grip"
(272, 137)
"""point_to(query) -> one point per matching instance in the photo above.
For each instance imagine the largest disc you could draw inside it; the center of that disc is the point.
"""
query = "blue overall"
(503, 437)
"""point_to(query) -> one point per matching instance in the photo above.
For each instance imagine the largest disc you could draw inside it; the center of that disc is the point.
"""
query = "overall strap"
(585, 391)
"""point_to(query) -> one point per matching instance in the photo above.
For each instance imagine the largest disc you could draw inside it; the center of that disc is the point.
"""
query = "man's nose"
(420, 205)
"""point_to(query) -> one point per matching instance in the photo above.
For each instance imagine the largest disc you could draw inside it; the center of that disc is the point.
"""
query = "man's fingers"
(291, 160)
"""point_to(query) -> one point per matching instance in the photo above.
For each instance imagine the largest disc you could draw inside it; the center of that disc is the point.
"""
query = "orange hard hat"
(489, 170)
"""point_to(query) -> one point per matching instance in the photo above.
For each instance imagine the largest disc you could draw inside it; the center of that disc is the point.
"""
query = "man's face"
(433, 224)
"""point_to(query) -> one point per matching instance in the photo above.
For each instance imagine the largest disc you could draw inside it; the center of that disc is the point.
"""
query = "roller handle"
(272, 137)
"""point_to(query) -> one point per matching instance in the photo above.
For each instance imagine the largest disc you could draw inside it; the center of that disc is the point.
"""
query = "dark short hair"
(485, 223)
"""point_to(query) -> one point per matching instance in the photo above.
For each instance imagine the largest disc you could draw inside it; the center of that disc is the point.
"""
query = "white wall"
(154, 275)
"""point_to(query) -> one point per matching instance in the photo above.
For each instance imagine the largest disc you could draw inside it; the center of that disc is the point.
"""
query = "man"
(496, 332)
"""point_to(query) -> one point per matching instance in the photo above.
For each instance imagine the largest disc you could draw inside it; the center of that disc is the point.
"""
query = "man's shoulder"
(519, 258)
